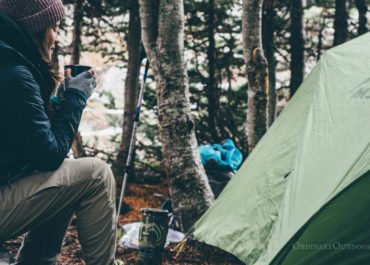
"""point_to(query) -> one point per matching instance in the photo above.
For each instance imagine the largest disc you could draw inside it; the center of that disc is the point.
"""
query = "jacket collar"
(9, 55)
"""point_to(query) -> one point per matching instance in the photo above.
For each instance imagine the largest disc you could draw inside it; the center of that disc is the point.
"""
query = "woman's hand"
(86, 82)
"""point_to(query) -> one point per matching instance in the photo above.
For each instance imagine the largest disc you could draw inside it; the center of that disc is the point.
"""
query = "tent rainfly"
(303, 195)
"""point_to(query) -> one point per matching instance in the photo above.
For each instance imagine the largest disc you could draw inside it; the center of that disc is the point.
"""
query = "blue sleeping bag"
(224, 156)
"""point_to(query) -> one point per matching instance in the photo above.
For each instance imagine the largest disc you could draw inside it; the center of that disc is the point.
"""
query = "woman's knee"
(101, 168)
(90, 170)
(103, 172)
(100, 179)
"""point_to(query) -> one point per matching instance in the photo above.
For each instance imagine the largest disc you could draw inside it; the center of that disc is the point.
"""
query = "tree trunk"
(321, 37)
(257, 71)
(268, 30)
(213, 94)
(131, 85)
(362, 19)
(77, 29)
(296, 45)
(340, 22)
(77, 146)
(163, 41)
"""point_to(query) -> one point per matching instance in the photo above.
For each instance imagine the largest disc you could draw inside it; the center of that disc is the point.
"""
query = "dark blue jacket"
(29, 139)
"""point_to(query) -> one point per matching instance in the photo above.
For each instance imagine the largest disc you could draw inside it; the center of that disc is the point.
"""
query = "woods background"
(219, 69)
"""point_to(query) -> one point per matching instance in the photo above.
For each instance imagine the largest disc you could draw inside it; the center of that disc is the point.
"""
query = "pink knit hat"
(33, 15)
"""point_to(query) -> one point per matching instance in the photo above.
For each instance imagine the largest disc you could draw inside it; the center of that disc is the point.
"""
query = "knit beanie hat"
(33, 15)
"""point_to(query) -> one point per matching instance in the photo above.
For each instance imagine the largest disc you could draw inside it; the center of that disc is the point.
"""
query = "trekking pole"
(133, 139)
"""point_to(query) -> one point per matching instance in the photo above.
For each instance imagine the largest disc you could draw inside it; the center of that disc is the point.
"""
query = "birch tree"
(162, 24)
(257, 71)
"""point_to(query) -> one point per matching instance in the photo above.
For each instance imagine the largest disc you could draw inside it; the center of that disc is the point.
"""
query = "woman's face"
(50, 38)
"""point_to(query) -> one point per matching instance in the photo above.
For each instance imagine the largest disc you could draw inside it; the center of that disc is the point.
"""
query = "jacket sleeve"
(47, 142)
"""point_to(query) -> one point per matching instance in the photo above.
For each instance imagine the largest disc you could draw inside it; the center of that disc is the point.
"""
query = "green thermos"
(152, 235)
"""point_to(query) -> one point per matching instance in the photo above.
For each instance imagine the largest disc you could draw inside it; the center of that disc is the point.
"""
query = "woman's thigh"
(36, 199)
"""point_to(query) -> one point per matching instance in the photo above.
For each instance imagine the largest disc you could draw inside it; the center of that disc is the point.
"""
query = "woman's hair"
(53, 77)
(42, 45)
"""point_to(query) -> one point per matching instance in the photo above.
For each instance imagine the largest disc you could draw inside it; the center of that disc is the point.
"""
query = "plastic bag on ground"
(130, 237)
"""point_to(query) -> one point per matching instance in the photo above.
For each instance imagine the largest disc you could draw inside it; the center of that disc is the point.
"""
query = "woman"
(40, 189)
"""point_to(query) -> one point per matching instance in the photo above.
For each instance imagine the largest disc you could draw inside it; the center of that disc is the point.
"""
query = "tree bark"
(77, 30)
(321, 36)
(257, 71)
(213, 94)
(362, 19)
(340, 22)
(77, 146)
(296, 45)
(163, 42)
(131, 85)
(268, 30)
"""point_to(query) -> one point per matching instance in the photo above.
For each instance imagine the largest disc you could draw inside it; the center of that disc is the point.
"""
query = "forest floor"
(141, 196)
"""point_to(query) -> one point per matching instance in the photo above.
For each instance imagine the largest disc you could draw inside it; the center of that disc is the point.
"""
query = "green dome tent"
(303, 195)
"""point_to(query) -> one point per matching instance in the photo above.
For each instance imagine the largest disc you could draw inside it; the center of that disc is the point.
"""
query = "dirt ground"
(141, 196)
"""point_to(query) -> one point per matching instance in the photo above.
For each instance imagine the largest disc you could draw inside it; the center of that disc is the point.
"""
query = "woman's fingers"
(89, 74)
(92, 71)
(68, 72)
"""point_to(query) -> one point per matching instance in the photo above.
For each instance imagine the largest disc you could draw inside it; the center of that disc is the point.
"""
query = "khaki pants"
(43, 204)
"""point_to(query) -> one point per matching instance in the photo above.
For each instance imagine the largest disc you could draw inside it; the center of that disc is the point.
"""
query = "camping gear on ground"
(130, 237)
(224, 156)
(302, 196)
(220, 161)
(218, 180)
(167, 205)
(152, 235)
